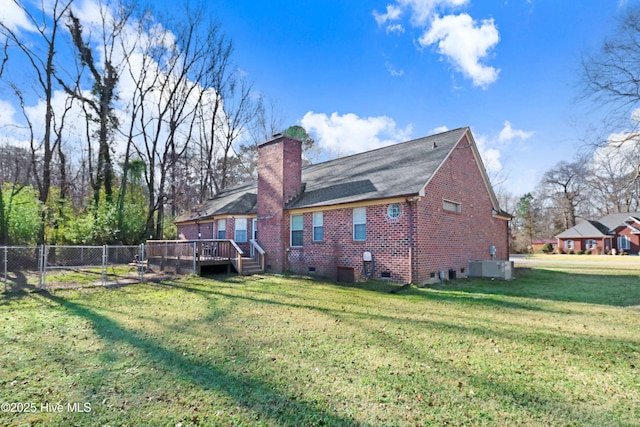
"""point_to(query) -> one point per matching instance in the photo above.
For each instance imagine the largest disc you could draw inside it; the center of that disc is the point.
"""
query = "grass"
(558, 346)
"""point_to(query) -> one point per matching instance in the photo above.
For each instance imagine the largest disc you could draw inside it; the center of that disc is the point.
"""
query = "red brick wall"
(448, 240)
(386, 239)
(279, 178)
(634, 244)
(190, 230)
(209, 230)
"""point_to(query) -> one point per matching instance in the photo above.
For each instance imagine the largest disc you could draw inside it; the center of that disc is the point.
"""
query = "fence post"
(141, 262)
(42, 266)
(6, 262)
(105, 260)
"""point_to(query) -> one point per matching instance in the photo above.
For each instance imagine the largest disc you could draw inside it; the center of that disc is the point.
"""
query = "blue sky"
(361, 74)
(510, 70)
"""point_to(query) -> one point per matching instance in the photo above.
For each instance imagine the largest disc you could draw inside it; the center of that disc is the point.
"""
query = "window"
(318, 226)
(450, 206)
(297, 225)
(222, 229)
(241, 229)
(590, 244)
(624, 243)
(360, 224)
(568, 244)
(393, 211)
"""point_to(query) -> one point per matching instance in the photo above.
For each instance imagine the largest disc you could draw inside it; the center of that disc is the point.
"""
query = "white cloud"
(494, 146)
(508, 133)
(396, 28)
(489, 153)
(460, 39)
(422, 10)
(392, 13)
(7, 114)
(349, 133)
(14, 18)
(393, 70)
(465, 44)
(439, 129)
(621, 155)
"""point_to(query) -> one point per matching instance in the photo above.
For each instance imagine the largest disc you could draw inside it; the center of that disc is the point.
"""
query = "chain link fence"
(53, 266)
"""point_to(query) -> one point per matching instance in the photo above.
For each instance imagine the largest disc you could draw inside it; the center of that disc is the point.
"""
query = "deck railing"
(258, 253)
(235, 256)
(203, 250)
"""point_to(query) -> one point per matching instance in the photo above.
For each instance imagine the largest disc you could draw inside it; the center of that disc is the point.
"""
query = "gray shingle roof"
(600, 228)
(584, 229)
(240, 199)
(397, 170)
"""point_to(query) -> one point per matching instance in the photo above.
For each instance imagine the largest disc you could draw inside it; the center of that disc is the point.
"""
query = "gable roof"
(603, 227)
(397, 170)
(584, 229)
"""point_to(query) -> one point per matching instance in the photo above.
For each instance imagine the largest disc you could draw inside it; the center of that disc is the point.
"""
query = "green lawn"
(558, 346)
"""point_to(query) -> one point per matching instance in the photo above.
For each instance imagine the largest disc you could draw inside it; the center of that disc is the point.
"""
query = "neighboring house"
(404, 212)
(538, 244)
(619, 231)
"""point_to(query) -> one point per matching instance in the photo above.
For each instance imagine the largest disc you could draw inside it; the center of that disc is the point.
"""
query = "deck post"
(195, 266)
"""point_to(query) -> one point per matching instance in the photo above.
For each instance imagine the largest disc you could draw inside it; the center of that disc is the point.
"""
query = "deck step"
(250, 266)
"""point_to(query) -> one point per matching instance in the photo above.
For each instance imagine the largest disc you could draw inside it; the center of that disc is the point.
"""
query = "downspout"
(410, 204)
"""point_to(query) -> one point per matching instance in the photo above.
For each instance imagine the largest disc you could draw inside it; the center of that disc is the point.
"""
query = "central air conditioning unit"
(492, 269)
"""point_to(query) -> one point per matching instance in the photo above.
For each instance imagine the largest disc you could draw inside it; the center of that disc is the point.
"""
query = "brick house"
(538, 244)
(620, 231)
(403, 212)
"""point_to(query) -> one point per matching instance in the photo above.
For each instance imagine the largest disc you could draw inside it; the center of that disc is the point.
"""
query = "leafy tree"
(526, 221)
(21, 215)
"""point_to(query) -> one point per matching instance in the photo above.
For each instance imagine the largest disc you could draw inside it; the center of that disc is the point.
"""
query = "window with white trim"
(450, 206)
(624, 243)
(318, 226)
(297, 227)
(568, 244)
(590, 244)
(360, 224)
(241, 230)
(222, 229)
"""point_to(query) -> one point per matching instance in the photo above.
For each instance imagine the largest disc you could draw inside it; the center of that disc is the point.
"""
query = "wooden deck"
(191, 255)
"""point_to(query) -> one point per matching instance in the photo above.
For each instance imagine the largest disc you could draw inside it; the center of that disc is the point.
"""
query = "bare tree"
(563, 186)
(612, 78)
(42, 63)
(104, 78)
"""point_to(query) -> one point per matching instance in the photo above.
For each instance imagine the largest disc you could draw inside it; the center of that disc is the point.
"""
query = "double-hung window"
(241, 229)
(568, 244)
(624, 243)
(360, 224)
(590, 244)
(318, 226)
(222, 229)
(297, 228)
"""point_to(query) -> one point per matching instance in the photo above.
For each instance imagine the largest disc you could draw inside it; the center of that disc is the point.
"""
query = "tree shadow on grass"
(16, 286)
(254, 394)
(539, 283)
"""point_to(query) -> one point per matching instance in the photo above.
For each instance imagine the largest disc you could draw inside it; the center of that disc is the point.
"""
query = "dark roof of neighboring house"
(397, 170)
(601, 228)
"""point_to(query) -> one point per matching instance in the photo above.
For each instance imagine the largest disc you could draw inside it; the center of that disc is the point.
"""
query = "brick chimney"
(279, 181)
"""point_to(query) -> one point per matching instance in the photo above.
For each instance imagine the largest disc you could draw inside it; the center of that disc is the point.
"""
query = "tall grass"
(555, 347)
